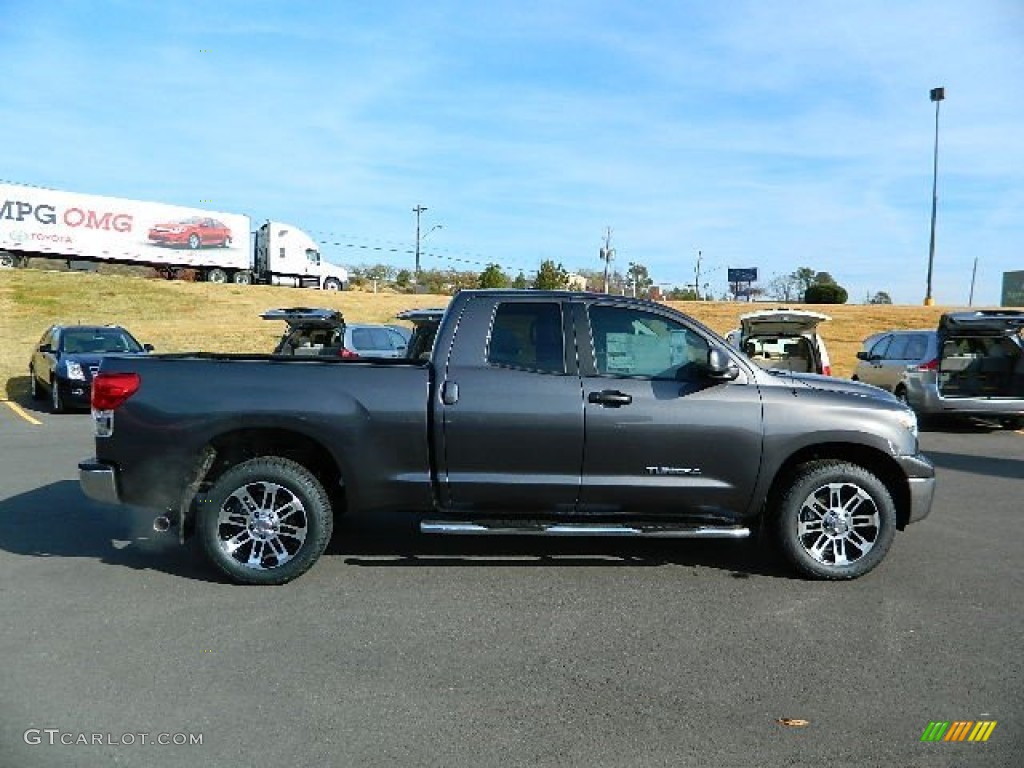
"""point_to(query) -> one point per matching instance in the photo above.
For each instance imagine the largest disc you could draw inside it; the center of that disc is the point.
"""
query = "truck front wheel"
(836, 520)
(332, 284)
(265, 521)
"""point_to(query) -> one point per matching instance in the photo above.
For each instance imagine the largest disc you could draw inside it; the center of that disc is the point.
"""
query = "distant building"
(576, 282)
(1013, 289)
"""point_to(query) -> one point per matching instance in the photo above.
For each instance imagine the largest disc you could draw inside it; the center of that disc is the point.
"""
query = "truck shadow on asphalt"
(393, 539)
(991, 466)
(960, 425)
(56, 520)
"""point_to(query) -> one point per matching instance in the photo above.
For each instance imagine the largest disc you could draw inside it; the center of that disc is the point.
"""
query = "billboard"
(67, 224)
(1013, 289)
(748, 275)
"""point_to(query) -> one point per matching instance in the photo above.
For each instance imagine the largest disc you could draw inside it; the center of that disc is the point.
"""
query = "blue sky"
(774, 135)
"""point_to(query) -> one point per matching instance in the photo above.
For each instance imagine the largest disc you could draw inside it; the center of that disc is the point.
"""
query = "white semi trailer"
(222, 247)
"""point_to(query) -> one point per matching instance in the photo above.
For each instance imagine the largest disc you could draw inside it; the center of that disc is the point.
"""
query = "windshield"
(98, 340)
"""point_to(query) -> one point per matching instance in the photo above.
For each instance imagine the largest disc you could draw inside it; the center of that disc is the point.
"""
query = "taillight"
(931, 365)
(109, 390)
(347, 354)
(827, 370)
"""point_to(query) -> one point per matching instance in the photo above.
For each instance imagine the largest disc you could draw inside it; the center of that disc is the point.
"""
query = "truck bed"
(370, 415)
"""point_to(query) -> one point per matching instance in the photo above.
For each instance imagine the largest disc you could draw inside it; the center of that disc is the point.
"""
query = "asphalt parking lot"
(399, 649)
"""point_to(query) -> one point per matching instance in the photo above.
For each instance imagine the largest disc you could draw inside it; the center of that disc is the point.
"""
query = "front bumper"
(920, 473)
(99, 481)
(75, 392)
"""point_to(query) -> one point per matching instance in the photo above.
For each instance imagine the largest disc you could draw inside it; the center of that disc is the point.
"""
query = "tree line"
(804, 284)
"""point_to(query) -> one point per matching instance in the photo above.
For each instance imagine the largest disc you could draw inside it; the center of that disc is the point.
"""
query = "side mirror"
(720, 365)
(46, 349)
(148, 347)
(862, 355)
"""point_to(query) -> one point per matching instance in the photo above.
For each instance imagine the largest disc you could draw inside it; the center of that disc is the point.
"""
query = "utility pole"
(696, 282)
(419, 209)
(607, 254)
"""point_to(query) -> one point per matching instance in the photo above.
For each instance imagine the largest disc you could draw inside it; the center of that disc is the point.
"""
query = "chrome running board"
(535, 528)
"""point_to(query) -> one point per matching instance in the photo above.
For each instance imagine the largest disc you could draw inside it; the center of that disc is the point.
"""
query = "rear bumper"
(98, 481)
(920, 474)
(924, 397)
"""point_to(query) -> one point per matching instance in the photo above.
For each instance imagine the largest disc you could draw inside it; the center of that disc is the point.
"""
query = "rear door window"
(917, 348)
(528, 335)
(898, 348)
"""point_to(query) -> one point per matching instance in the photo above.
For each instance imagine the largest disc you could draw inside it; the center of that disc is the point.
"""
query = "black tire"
(332, 284)
(216, 275)
(901, 395)
(242, 277)
(56, 401)
(194, 242)
(245, 540)
(33, 385)
(838, 544)
(8, 261)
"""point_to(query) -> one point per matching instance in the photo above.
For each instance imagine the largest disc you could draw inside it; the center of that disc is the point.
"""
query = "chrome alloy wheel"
(838, 524)
(262, 525)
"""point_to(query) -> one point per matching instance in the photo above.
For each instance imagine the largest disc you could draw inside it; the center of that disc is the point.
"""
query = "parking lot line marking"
(20, 411)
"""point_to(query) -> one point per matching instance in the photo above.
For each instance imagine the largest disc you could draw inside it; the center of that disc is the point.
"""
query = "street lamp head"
(938, 94)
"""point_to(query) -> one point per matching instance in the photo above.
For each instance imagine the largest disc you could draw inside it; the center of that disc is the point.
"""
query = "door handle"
(610, 398)
(450, 393)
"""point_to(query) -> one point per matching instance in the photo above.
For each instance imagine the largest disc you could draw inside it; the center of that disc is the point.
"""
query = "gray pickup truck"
(542, 413)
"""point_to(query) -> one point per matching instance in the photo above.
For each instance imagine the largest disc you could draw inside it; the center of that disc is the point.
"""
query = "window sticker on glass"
(631, 355)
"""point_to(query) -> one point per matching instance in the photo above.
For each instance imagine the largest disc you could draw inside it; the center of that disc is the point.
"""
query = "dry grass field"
(182, 316)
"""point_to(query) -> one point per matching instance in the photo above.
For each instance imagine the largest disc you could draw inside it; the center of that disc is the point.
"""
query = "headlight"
(909, 420)
(75, 371)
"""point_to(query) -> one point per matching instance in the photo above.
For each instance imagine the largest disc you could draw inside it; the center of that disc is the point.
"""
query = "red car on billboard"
(195, 232)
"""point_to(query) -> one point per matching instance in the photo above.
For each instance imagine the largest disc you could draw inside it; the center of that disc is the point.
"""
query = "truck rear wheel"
(216, 275)
(265, 521)
(836, 520)
(243, 277)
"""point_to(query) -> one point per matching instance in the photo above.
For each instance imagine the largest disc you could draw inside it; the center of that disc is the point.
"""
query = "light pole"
(937, 95)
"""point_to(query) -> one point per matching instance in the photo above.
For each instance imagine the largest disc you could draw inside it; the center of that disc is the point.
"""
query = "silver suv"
(973, 364)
